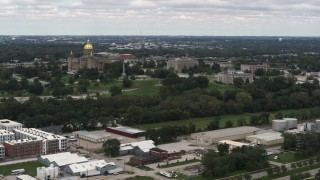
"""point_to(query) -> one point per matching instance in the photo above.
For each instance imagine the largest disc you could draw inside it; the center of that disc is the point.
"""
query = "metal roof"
(89, 166)
(65, 158)
(269, 136)
(90, 135)
(227, 132)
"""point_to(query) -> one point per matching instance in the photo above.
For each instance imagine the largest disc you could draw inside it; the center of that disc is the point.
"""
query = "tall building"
(51, 143)
(254, 67)
(179, 63)
(9, 125)
(227, 77)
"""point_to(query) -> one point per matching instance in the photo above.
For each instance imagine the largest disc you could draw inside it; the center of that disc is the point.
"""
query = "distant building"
(179, 63)
(90, 61)
(233, 134)
(6, 136)
(9, 125)
(126, 131)
(22, 148)
(51, 143)
(93, 137)
(233, 144)
(253, 67)
(227, 77)
(225, 64)
(268, 139)
(91, 168)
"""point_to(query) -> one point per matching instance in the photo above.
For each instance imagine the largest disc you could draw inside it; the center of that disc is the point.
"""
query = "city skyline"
(160, 17)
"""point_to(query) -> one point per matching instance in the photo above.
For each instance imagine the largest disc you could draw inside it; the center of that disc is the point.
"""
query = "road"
(18, 161)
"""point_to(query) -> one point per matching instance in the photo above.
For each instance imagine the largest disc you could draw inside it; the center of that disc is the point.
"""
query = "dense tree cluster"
(169, 134)
(306, 144)
(245, 158)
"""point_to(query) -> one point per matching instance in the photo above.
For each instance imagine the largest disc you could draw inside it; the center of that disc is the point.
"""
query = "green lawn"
(203, 122)
(103, 86)
(287, 157)
(144, 87)
(140, 178)
(30, 167)
(221, 87)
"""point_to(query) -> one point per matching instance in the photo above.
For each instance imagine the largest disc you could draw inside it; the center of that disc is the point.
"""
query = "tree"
(36, 88)
(126, 83)
(260, 72)
(223, 149)
(229, 124)
(115, 90)
(241, 121)
(283, 168)
(247, 176)
(238, 81)
(111, 147)
(244, 98)
(214, 124)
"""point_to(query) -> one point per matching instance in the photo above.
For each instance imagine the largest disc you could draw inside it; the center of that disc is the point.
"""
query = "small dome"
(88, 47)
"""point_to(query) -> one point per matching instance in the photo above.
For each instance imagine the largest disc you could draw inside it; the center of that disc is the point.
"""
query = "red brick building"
(22, 148)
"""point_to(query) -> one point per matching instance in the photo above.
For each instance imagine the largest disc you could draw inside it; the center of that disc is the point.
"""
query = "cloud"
(209, 13)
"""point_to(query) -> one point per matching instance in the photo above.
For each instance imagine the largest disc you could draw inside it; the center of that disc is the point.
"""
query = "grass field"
(287, 157)
(144, 87)
(203, 122)
(221, 87)
(30, 167)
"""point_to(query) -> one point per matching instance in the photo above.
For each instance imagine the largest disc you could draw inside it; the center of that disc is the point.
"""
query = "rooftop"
(127, 129)
(228, 132)
(89, 166)
(7, 122)
(21, 141)
(38, 134)
(65, 158)
(145, 146)
(269, 136)
(90, 135)
(233, 143)
(5, 132)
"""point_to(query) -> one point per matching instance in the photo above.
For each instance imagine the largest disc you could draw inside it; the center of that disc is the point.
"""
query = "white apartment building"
(227, 77)
(9, 125)
(6, 136)
(51, 143)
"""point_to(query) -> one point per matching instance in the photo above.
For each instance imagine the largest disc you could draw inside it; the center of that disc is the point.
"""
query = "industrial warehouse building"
(215, 136)
(267, 139)
(92, 168)
(126, 131)
(137, 148)
(61, 160)
(93, 137)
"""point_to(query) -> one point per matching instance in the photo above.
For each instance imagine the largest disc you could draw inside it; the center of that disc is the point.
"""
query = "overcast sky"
(160, 17)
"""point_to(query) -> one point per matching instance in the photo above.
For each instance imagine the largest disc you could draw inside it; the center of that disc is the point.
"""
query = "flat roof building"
(253, 67)
(52, 143)
(126, 131)
(22, 148)
(9, 125)
(62, 159)
(268, 138)
(179, 63)
(93, 137)
(91, 168)
(215, 136)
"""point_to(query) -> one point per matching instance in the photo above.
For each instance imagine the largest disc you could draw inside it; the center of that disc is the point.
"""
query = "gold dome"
(88, 47)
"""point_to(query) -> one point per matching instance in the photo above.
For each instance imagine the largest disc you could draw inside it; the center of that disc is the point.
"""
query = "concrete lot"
(183, 145)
